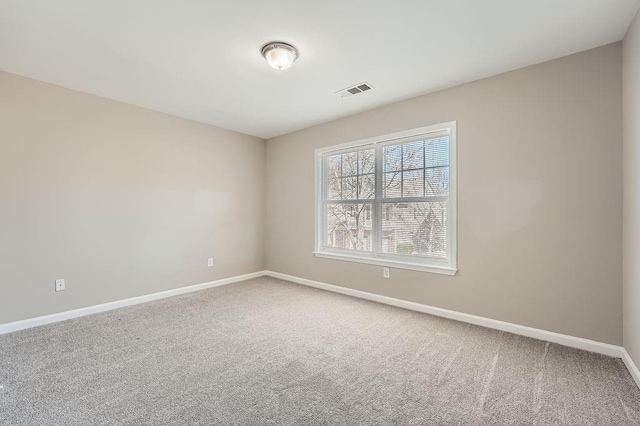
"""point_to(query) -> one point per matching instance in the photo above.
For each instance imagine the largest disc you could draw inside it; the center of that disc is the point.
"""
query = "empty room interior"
(320, 213)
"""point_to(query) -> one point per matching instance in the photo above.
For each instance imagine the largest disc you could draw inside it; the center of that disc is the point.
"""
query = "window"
(390, 200)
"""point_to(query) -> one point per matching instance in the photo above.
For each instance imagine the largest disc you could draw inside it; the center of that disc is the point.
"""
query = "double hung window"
(390, 200)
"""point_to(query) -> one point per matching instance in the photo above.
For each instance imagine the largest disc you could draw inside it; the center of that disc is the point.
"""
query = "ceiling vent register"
(354, 90)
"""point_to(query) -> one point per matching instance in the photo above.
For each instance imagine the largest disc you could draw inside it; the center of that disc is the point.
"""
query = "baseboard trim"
(631, 366)
(561, 339)
(75, 313)
(549, 336)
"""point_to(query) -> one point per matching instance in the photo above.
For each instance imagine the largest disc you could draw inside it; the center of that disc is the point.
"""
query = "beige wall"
(539, 197)
(118, 200)
(631, 166)
(122, 201)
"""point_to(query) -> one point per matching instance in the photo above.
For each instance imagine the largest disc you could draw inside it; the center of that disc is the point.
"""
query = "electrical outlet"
(385, 272)
(60, 285)
(210, 261)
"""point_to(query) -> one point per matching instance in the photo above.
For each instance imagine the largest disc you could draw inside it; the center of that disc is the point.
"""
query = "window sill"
(444, 270)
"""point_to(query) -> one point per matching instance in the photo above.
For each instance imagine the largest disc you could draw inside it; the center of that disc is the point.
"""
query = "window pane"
(437, 181)
(437, 152)
(334, 164)
(333, 189)
(391, 185)
(350, 163)
(366, 161)
(413, 155)
(391, 158)
(415, 228)
(350, 188)
(413, 183)
(366, 187)
(349, 226)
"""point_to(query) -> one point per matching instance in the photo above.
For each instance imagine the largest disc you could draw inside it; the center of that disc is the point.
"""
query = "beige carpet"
(266, 351)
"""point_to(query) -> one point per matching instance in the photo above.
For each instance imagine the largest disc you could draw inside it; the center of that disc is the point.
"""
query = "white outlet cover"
(385, 272)
(60, 285)
(210, 261)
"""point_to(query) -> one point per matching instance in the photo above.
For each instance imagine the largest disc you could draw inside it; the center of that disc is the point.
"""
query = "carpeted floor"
(266, 351)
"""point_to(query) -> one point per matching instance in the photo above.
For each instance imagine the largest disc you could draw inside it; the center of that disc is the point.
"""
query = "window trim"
(439, 266)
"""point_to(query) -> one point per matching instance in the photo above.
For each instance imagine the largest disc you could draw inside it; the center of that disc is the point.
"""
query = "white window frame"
(416, 263)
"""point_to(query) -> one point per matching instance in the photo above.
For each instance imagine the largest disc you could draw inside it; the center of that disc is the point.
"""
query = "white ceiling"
(200, 59)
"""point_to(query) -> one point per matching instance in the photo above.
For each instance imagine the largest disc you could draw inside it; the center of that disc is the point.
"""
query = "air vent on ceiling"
(354, 90)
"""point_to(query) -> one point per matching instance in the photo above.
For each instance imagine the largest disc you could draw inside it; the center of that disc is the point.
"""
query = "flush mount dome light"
(279, 55)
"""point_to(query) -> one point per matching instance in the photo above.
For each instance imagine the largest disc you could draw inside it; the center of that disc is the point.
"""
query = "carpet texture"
(267, 351)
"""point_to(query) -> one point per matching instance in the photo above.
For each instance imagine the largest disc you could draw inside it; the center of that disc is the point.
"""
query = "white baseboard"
(549, 336)
(61, 316)
(562, 339)
(631, 366)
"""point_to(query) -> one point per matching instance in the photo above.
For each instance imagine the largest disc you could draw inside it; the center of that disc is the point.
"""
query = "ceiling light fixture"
(279, 55)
